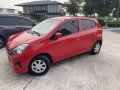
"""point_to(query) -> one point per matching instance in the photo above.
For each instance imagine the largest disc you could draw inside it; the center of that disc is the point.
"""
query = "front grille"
(19, 65)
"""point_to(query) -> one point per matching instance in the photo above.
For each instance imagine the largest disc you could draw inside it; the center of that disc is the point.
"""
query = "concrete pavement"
(82, 72)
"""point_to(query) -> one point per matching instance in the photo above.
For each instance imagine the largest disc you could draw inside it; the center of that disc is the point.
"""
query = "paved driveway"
(82, 72)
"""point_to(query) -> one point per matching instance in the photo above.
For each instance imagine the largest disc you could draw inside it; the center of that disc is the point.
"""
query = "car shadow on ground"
(71, 59)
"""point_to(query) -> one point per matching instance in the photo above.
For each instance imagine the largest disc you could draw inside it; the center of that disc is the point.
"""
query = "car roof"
(9, 15)
(16, 16)
(70, 18)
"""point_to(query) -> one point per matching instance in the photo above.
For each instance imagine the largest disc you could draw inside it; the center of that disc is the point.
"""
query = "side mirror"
(58, 35)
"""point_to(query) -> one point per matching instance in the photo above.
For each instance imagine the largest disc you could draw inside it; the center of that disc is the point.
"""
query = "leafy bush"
(102, 23)
(113, 24)
(109, 24)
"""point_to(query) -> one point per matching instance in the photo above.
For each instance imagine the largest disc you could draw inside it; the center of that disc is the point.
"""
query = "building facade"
(7, 11)
(42, 9)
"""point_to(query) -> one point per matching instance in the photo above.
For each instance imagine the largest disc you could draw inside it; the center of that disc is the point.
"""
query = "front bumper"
(18, 68)
(20, 63)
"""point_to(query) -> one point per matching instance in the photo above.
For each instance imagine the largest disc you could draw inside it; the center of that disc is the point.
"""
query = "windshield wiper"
(33, 32)
(36, 33)
(29, 31)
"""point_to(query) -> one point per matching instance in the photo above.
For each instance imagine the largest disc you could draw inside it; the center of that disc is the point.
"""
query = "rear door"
(88, 34)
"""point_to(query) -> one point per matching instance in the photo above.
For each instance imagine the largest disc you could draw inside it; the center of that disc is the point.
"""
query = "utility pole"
(118, 13)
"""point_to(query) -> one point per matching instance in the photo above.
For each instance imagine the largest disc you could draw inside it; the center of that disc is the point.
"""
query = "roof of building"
(38, 3)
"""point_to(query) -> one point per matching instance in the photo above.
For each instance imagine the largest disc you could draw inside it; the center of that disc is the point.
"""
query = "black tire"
(94, 51)
(38, 72)
(2, 42)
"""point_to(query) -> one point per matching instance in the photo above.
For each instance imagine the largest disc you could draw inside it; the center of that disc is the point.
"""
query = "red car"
(51, 41)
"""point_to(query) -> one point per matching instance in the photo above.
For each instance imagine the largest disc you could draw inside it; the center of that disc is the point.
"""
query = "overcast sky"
(11, 3)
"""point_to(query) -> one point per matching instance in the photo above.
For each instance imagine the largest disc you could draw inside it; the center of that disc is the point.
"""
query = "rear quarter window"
(93, 24)
(88, 24)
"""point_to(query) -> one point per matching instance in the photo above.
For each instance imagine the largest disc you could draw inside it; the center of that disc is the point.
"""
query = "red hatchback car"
(51, 41)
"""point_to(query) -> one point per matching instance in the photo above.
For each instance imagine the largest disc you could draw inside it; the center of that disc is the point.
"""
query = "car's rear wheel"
(96, 48)
(2, 42)
(39, 66)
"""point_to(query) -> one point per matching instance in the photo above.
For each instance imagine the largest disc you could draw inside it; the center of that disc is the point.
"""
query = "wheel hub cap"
(38, 66)
(97, 48)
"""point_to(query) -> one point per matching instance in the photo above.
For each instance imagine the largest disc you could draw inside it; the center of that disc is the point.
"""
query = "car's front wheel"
(96, 48)
(39, 66)
(2, 42)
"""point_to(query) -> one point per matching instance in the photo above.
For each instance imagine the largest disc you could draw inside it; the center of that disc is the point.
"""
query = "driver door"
(67, 45)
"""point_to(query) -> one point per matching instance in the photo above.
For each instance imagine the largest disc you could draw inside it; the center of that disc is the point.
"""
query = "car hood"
(21, 38)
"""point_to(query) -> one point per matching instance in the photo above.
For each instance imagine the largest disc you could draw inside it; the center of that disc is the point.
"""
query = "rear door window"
(88, 24)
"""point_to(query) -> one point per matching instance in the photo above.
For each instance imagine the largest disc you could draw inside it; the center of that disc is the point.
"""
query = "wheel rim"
(97, 48)
(1, 43)
(38, 66)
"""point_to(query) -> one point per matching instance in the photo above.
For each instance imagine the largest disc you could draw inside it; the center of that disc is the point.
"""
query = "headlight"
(20, 49)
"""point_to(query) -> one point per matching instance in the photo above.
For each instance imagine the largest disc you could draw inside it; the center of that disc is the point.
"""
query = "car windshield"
(46, 26)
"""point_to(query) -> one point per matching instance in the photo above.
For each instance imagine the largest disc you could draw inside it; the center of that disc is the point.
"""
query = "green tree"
(105, 7)
(115, 11)
(101, 7)
(73, 7)
(88, 8)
